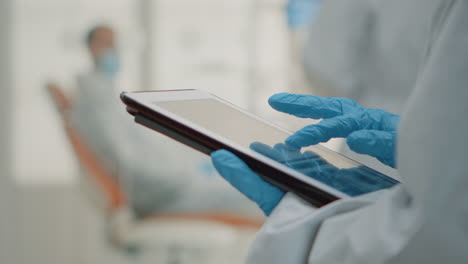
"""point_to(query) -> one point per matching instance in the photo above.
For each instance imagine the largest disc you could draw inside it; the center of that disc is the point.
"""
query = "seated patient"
(158, 174)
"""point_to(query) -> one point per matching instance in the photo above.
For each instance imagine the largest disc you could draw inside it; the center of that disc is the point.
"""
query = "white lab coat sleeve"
(424, 220)
(294, 227)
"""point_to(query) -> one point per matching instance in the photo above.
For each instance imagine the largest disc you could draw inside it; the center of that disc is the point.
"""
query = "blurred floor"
(58, 225)
(64, 228)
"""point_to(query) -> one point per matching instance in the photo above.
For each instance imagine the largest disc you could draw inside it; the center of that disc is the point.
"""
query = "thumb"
(239, 175)
(375, 143)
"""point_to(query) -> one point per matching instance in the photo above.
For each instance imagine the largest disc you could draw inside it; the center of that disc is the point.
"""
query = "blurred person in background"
(148, 164)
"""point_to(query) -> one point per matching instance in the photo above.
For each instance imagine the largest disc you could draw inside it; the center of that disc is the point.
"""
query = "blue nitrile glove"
(368, 131)
(236, 172)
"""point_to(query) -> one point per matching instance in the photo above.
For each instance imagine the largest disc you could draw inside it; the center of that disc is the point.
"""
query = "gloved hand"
(267, 196)
(368, 131)
(353, 181)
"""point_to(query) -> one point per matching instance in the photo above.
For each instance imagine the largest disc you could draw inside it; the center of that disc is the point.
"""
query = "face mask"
(109, 63)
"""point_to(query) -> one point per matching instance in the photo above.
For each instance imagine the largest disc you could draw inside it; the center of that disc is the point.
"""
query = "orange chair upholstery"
(115, 197)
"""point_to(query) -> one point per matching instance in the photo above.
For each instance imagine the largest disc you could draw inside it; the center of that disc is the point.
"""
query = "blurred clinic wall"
(232, 48)
(8, 241)
(239, 50)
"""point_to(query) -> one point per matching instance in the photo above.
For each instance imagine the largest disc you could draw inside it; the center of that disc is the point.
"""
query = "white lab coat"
(157, 173)
(423, 220)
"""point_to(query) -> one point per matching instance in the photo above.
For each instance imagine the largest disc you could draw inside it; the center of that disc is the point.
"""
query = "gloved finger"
(378, 119)
(280, 152)
(239, 175)
(325, 130)
(375, 143)
(318, 168)
(288, 156)
(308, 163)
(292, 157)
(309, 106)
(266, 150)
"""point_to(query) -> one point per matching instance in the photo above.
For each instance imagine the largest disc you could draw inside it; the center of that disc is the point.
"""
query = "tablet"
(207, 123)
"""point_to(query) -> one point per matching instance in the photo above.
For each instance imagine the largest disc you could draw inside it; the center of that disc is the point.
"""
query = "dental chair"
(169, 238)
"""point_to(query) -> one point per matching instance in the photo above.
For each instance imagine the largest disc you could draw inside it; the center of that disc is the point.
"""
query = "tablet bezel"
(140, 104)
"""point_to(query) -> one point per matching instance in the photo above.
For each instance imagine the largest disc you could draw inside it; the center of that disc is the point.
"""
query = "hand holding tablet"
(266, 167)
(351, 181)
